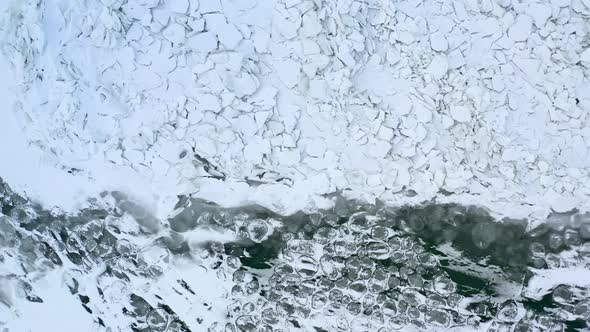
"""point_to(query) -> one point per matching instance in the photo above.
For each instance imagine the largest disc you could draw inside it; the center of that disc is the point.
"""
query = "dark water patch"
(419, 247)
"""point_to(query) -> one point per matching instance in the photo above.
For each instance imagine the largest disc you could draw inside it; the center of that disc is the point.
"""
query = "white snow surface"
(485, 101)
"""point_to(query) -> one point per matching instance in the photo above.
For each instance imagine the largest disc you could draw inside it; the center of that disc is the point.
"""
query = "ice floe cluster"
(480, 102)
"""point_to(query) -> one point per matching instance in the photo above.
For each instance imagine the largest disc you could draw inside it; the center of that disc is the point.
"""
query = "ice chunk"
(175, 33)
(521, 28)
(438, 67)
(205, 42)
(178, 6)
(486, 27)
(540, 13)
(585, 58)
(210, 6)
(531, 67)
(311, 25)
(288, 71)
(229, 36)
(244, 85)
(438, 42)
(209, 102)
(460, 113)
(318, 89)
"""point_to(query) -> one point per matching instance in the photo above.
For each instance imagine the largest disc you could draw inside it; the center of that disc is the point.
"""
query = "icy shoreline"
(354, 267)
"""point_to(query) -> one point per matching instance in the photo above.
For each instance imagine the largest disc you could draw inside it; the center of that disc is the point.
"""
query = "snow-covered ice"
(428, 90)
